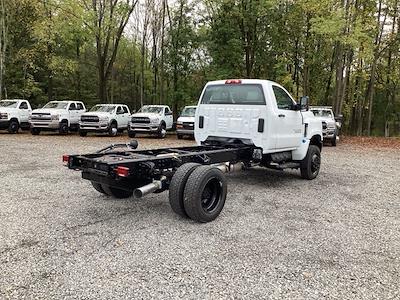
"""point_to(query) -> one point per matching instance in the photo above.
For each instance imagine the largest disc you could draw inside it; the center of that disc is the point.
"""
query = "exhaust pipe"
(149, 188)
(229, 168)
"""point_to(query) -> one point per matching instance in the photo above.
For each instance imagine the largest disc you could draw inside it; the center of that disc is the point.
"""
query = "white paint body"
(155, 120)
(283, 130)
(120, 114)
(20, 112)
(50, 118)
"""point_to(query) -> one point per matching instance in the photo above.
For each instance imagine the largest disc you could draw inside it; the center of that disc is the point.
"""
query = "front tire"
(162, 131)
(63, 129)
(116, 192)
(35, 131)
(333, 141)
(13, 126)
(180, 136)
(113, 130)
(82, 133)
(205, 194)
(177, 187)
(131, 134)
(311, 164)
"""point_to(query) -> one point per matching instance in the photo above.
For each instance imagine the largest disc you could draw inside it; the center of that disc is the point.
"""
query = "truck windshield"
(244, 94)
(188, 112)
(56, 105)
(322, 113)
(151, 109)
(7, 103)
(103, 108)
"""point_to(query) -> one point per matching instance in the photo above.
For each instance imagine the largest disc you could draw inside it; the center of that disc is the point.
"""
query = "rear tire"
(131, 134)
(205, 194)
(310, 165)
(98, 187)
(179, 136)
(13, 126)
(177, 187)
(82, 133)
(35, 131)
(115, 192)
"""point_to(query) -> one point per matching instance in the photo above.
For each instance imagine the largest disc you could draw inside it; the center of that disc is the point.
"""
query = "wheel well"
(64, 121)
(114, 122)
(14, 119)
(163, 122)
(317, 141)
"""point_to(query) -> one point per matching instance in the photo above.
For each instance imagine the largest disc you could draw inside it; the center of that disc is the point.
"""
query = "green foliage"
(326, 49)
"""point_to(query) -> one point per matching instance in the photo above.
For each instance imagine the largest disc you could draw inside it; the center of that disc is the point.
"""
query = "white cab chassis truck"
(14, 114)
(61, 116)
(108, 118)
(240, 124)
(151, 119)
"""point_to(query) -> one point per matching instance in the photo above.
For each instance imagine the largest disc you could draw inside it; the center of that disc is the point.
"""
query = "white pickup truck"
(61, 116)
(330, 124)
(109, 118)
(14, 114)
(151, 119)
(185, 122)
(240, 124)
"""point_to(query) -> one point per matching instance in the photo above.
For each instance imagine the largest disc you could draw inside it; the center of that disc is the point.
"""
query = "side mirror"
(304, 103)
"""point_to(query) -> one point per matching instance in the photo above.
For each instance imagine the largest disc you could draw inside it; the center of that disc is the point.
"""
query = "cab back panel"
(231, 121)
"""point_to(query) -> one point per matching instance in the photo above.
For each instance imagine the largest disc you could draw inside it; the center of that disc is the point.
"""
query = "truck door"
(23, 112)
(120, 117)
(168, 118)
(126, 116)
(73, 114)
(287, 121)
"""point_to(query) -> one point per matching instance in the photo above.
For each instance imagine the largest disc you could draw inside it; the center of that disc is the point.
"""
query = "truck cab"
(14, 114)
(151, 119)
(260, 113)
(61, 116)
(108, 118)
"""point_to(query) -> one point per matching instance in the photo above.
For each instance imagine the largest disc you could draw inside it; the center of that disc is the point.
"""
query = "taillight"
(65, 159)
(122, 171)
(233, 81)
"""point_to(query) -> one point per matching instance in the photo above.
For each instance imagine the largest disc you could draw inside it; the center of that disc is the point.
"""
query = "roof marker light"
(233, 81)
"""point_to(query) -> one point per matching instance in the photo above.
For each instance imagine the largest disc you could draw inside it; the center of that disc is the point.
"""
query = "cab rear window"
(242, 94)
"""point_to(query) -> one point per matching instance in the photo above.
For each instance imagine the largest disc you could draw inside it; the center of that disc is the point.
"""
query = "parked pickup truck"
(61, 116)
(185, 122)
(14, 114)
(109, 118)
(151, 119)
(240, 124)
(330, 124)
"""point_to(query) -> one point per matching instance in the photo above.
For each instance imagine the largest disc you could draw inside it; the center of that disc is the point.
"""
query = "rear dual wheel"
(198, 192)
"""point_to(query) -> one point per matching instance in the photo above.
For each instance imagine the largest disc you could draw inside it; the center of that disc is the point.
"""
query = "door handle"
(281, 115)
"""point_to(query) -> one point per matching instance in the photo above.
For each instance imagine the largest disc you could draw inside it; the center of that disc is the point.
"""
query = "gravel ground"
(336, 237)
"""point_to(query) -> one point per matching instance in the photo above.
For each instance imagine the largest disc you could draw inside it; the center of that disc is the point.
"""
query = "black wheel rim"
(211, 195)
(315, 163)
